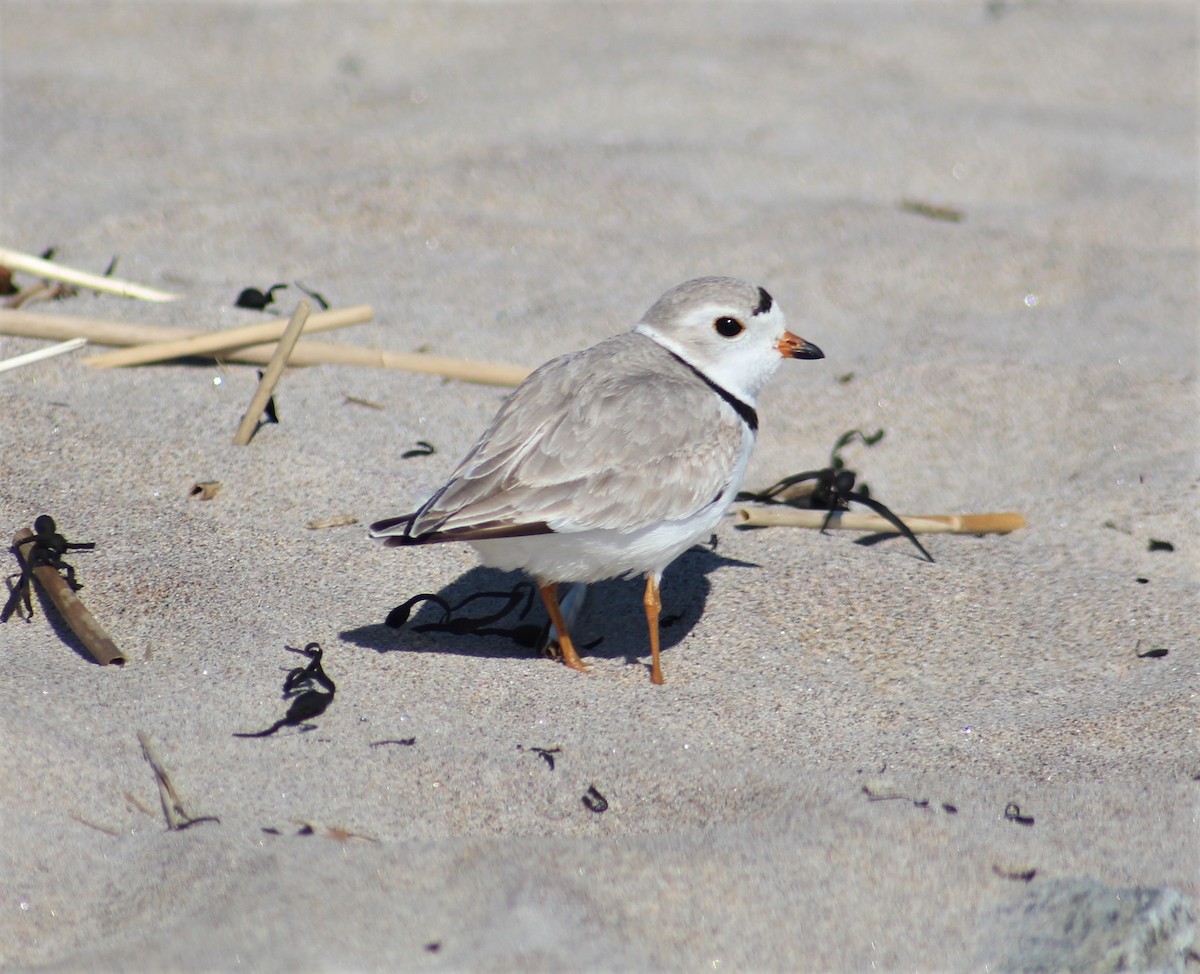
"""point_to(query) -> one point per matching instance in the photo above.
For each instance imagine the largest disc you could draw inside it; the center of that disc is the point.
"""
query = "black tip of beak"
(808, 350)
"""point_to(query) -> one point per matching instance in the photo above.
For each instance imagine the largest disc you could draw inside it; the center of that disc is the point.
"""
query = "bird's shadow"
(612, 624)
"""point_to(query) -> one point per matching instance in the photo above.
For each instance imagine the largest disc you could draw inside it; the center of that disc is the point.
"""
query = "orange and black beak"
(792, 347)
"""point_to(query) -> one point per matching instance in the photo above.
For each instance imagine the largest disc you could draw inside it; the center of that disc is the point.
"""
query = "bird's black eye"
(728, 327)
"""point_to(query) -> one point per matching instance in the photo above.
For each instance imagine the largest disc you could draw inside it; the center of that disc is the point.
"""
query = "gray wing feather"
(620, 435)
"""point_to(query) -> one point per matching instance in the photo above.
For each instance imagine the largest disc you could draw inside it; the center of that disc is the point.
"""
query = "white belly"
(594, 554)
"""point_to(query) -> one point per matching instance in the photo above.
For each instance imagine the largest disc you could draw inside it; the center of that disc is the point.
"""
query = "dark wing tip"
(387, 527)
(394, 532)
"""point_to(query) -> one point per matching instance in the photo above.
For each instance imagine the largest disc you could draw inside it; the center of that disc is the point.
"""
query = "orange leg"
(653, 604)
(569, 656)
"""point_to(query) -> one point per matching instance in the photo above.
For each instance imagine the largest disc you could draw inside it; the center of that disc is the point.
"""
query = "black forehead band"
(764, 302)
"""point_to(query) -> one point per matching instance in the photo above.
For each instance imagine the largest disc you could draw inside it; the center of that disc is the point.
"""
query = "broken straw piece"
(174, 812)
(220, 341)
(38, 354)
(49, 270)
(274, 370)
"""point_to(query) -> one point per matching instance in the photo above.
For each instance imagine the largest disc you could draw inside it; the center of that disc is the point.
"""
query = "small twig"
(92, 825)
(332, 522)
(335, 832)
(1001, 523)
(949, 214)
(172, 805)
(358, 401)
(133, 801)
(37, 355)
(274, 370)
(217, 342)
(48, 270)
(42, 291)
(95, 640)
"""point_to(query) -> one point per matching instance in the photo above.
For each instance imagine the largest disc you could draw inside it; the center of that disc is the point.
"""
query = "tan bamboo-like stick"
(266, 384)
(1000, 523)
(98, 331)
(101, 332)
(214, 342)
(95, 640)
(49, 270)
(484, 373)
(38, 354)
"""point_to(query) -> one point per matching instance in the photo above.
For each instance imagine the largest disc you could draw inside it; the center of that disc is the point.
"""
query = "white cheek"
(745, 369)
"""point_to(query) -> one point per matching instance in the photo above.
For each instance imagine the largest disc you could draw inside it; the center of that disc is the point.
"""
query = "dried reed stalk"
(216, 342)
(1000, 523)
(51, 271)
(101, 332)
(174, 812)
(39, 354)
(270, 378)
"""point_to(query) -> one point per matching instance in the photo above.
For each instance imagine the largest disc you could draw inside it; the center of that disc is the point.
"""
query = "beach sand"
(509, 183)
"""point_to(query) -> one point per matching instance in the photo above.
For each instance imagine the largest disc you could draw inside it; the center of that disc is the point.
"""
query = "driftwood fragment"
(95, 640)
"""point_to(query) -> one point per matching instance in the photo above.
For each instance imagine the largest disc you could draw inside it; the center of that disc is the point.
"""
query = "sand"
(508, 183)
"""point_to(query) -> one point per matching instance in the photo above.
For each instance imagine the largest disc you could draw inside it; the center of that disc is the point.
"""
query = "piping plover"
(617, 459)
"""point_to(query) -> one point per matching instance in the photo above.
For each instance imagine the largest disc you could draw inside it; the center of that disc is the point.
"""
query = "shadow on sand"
(612, 624)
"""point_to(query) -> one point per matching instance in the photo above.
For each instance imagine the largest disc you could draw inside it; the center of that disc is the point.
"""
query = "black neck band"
(749, 416)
